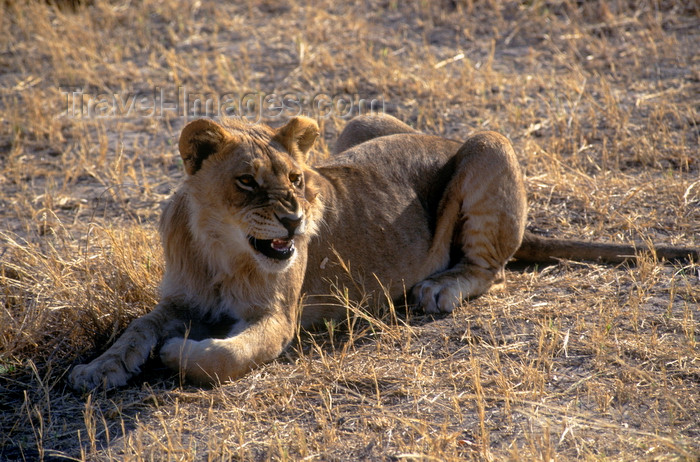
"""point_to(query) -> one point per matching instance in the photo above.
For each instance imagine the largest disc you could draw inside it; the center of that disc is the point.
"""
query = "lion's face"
(249, 188)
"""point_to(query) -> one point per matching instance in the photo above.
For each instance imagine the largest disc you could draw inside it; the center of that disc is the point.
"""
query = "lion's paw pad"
(104, 373)
(436, 297)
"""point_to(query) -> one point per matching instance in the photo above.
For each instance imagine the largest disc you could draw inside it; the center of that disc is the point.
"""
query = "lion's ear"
(298, 136)
(312, 184)
(198, 140)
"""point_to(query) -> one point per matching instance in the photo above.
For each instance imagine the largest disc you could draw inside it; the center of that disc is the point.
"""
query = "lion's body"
(253, 230)
(388, 193)
(401, 207)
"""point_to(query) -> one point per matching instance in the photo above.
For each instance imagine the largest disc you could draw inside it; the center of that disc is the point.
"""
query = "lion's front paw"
(207, 361)
(194, 360)
(107, 373)
(433, 296)
(176, 352)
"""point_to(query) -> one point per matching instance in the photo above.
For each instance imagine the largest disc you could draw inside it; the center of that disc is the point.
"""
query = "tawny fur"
(392, 210)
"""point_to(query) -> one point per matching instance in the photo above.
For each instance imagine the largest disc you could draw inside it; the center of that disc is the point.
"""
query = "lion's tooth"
(281, 244)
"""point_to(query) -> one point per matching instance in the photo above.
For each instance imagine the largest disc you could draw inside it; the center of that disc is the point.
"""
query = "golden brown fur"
(253, 228)
(215, 282)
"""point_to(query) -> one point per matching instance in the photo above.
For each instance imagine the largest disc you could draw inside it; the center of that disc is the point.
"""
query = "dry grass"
(573, 361)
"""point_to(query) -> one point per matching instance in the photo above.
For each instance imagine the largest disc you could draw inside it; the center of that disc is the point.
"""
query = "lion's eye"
(295, 178)
(247, 182)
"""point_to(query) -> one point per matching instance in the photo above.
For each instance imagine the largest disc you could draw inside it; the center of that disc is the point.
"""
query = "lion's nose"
(290, 223)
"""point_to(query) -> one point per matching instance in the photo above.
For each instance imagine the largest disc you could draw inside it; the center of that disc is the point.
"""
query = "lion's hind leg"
(482, 217)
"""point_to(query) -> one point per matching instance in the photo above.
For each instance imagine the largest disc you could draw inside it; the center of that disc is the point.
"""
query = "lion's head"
(250, 189)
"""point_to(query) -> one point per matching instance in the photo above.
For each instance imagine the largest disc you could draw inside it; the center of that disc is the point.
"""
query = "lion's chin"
(279, 249)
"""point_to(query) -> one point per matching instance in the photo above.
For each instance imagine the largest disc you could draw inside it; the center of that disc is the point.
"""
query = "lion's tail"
(542, 249)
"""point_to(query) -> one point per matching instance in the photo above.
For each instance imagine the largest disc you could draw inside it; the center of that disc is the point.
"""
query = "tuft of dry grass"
(571, 361)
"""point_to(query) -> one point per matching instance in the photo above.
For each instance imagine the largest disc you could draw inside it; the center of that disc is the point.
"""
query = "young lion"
(253, 228)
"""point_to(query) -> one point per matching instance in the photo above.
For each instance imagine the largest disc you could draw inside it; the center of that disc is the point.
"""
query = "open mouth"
(277, 249)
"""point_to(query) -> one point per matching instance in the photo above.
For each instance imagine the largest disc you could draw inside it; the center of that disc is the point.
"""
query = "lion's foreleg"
(215, 360)
(125, 357)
